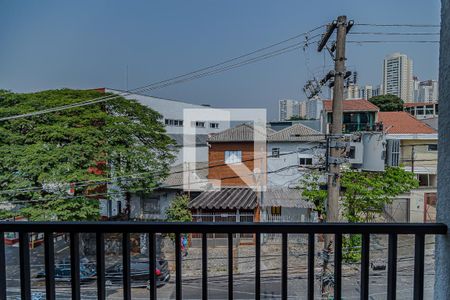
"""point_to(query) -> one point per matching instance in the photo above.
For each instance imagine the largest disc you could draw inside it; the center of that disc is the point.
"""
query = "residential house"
(235, 172)
(292, 152)
(413, 145)
(422, 110)
(153, 205)
(239, 171)
(358, 115)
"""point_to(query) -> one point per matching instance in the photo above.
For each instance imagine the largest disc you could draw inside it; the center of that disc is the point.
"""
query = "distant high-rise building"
(416, 88)
(366, 92)
(314, 109)
(351, 92)
(302, 109)
(288, 108)
(397, 76)
(428, 91)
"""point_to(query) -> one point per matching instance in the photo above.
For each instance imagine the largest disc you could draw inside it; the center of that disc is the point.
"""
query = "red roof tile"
(400, 122)
(352, 105)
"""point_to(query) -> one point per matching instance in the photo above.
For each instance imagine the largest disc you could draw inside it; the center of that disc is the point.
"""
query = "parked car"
(139, 272)
(62, 271)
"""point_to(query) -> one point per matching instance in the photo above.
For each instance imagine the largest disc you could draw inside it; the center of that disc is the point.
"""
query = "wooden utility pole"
(334, 180)
(335, 132)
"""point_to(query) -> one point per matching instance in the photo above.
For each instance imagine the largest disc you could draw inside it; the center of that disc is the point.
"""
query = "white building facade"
(172, 113)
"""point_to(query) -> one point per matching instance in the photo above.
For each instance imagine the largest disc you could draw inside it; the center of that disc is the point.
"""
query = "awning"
(225, 198)
(285, 197)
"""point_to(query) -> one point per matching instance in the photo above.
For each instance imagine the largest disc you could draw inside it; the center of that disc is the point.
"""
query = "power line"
(393, 41)
(399, 25)
(140, 189)
(142, 175)
(181, 78)
(394, 33)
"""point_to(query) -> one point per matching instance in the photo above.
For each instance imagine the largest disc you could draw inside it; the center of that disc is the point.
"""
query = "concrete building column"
(442, 278)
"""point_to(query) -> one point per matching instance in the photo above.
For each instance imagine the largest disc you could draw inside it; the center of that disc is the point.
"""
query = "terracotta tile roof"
(352, 105)
(401, 122)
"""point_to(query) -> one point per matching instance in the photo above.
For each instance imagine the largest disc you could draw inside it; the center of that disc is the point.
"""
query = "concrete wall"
(289, 177)
(425, 161)
(137, 205)
(442, 277)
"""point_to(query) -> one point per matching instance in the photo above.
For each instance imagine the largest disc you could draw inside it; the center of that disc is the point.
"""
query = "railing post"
(258, 267)
(2, 267)
(419, 257)
(337, 265)
(365, 249)
(152, 258)
(178, 262)
(284, 266)
(392, 267)
(311, 256)
(75, 264)
(230, 266)
(100, 251)
(126, 266)
(204, 266)
(25, 280)
(49, 266)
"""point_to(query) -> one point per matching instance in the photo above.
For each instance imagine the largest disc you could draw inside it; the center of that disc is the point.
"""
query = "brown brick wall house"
(219, 170)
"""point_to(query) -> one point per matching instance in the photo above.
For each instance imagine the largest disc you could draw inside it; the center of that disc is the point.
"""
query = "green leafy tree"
(388, 102)
(178, 210)
(367, 193)
(364, 197)
(43, 157)
(312, 190)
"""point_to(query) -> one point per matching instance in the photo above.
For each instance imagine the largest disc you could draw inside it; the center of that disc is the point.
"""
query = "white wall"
(290, 177)
(171, 109)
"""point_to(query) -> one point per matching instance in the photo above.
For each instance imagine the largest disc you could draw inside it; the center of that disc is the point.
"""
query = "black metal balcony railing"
(100, 228)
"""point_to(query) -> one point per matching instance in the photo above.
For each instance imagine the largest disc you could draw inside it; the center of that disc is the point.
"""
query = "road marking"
(67, 247)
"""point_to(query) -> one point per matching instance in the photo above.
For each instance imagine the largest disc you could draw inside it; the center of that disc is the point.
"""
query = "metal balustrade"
(311, 229)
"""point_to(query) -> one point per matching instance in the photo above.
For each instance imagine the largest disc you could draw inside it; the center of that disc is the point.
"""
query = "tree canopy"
(57, 157)
(179, 211)
(364, 194)
(388, 102)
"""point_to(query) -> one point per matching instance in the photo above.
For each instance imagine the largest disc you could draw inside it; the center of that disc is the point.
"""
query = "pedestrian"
(184, 245)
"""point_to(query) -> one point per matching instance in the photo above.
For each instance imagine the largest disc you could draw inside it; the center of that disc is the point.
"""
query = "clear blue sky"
(85, 44)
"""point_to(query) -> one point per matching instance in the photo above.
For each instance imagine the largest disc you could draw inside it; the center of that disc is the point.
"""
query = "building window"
(214, 125)
(199, 124)
(305, 161)
(352, 152)
(432, 147)
(424, 179)
(275, 152)
(151, 206)
(275, 210)
(172, 122)
(233, 157)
